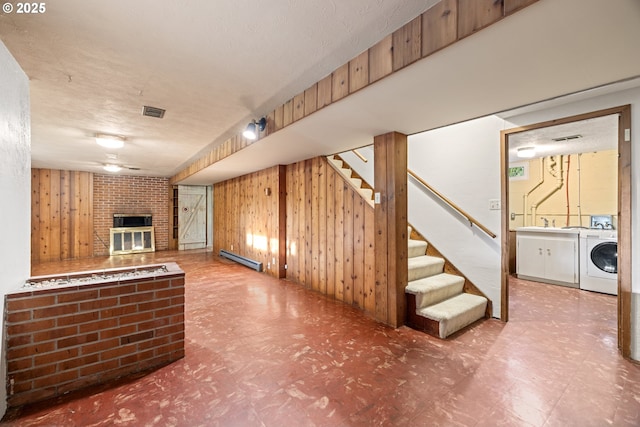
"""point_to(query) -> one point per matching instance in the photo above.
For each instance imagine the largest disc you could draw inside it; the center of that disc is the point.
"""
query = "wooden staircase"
(437, 301)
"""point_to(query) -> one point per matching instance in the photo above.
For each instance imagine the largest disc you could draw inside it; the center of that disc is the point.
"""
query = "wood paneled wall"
(445, 23)
(330, 235)
(248, 214)
(61, 215)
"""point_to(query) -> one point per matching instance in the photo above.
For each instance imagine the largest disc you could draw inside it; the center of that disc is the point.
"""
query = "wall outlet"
(494, 204)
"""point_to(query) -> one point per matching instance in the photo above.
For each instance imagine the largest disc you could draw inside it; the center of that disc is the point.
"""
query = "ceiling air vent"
(566, 138)
(153, 112)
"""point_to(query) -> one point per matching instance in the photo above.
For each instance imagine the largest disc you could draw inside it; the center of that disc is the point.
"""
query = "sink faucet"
(546, 221)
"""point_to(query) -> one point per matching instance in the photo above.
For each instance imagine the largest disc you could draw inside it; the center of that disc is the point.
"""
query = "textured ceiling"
(213, 65)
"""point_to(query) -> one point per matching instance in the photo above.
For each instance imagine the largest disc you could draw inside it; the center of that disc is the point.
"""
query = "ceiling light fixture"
(109, 141)
(254, 128)
(526, 152)
(111, 168)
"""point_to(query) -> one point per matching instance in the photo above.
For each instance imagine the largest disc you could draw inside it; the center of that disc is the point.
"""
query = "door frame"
(624, 214)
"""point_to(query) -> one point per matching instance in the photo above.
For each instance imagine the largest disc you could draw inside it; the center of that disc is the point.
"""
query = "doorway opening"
(517, 138)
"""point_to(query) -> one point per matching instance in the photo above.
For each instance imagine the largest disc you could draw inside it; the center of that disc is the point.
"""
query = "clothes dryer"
(599, 261)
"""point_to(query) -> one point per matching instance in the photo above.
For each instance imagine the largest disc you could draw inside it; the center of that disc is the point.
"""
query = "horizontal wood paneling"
(330, 234)
(438, 27)
(61, 215)
(247, 217)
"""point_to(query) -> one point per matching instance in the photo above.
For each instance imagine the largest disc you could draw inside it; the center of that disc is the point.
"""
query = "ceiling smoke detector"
(158, 113)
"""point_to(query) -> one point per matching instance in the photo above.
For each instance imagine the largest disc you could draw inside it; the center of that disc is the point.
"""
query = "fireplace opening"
(132, 220)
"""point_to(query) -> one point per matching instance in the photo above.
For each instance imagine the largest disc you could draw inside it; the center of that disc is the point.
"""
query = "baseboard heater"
(255, 265)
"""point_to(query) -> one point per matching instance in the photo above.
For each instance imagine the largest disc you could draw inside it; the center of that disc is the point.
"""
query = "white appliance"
(599, 261)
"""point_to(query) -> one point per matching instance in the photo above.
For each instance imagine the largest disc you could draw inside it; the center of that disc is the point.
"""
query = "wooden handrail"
(472, 220)
(360, 156)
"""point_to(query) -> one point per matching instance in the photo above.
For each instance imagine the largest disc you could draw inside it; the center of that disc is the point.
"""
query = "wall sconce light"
(526, 152)
(267, 191)
(109, 141)
(110, 167)
(254, 128)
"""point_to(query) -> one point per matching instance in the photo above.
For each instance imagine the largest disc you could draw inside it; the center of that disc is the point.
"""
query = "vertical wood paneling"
(349, 245)
(322, 225)
(314, 252)
(369, 261)
(407, 44)
(35, 215)
(302, 218)
(358, 251)
(308, 223)
(61, 226)
(331, 233)
(324, 92)
(287, 113)
(298, 107)
(252, 220)
(278, 118)
(474, 15)
(341, 190)
(439, 26)
(359, 72)
(340, 83)
(311, 100)
(381, 59)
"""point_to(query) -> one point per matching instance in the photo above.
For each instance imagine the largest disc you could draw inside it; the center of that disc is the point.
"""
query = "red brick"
(136, 337)
(18, 316)
(118, 332)
(136, 298)
(136, 318)
(77, 296)
(118, 311)
(77, 340)
(156, 342)
(78, 362)
(33, 373)
(19, 340)
(173, 292)
(28, 327)
(99, 325)
(118, 352)
(169, 330)
(154, 324)
(98, 304)
(100, 346)
(55, 311)
(154, 305)
(117, 290)
(55, 357)
(19, 364)
(177, 337)
(177, 282)
(54, 380)
(52, 334)
(137, 357)
(78, 318)
(153, 285)
(177, 300)
(99, 367)
(30, 350)
(31, 302)
(166, 312)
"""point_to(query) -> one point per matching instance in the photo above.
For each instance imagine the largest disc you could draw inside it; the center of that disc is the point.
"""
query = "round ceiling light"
(111, 168)
(109, 141)
(526, 152)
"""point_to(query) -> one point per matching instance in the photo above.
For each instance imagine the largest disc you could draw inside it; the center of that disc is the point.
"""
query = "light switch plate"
(376, 198)
(494, 204)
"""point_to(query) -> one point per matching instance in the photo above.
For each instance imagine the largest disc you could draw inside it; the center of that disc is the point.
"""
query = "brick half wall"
(61, 339)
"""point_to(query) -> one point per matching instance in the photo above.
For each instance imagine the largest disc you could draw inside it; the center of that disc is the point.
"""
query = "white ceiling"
(215, 65)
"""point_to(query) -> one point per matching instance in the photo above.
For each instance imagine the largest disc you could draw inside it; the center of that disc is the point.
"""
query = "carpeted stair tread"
(424, 266)
(356, 181)
(417, 247)
(455, 313)
(367, 193)
(435, 289)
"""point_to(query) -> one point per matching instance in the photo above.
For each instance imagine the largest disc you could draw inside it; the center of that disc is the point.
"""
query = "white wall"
(15, 186)
(463, 163)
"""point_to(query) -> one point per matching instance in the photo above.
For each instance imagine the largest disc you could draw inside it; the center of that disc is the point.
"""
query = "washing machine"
(599, 261)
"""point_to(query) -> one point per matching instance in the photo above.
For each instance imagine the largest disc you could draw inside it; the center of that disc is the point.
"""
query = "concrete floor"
(266, 352)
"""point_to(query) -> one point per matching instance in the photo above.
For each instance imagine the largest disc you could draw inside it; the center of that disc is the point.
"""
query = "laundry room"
(563, 204)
